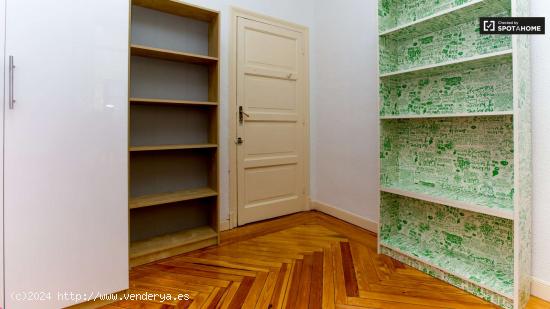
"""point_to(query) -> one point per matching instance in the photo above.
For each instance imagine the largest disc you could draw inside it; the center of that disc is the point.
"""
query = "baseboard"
(224, 225)
(346, 216)
(540, 289)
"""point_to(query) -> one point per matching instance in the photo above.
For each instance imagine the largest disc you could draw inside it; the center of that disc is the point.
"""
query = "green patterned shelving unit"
(455, 145)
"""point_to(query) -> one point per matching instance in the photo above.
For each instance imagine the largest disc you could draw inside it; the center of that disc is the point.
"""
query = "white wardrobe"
(65, 111)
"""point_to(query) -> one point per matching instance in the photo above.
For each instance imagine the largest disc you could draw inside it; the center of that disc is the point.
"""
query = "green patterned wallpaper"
(466, 159)
(446, 38)
(481, 87)
(471, 245)
(393, 13)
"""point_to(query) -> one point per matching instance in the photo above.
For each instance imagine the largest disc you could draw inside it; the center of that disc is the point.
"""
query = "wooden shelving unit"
(174, 95)
(455, 146)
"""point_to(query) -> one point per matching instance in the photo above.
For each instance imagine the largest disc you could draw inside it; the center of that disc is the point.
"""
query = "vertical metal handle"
(11, 69)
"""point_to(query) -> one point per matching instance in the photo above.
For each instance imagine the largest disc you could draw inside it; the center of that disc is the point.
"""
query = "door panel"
(271, 92)
(66, 217)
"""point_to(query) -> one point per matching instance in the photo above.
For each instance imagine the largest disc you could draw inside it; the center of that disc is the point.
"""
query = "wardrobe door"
(66, 191)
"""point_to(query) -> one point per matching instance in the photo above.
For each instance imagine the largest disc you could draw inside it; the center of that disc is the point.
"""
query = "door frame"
(233, 181)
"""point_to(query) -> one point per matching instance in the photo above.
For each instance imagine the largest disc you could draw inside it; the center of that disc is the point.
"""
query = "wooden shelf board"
(427, 18)
(178, 8)
(170, 197)
(165, 54)
(171, 147)
(495, 212)
(488, 56)
(169, 101)
(179, 241)
(458, 275)
(482, 114)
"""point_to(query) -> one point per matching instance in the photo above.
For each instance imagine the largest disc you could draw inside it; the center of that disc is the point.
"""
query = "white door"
(65, 168)
(271, 98)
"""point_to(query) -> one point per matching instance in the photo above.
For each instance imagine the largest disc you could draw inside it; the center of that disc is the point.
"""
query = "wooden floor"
(307, 260)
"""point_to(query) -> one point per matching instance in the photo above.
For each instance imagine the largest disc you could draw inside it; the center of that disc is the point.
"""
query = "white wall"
(344, 122)
(540, 63)
(344, 144)
(296, 11)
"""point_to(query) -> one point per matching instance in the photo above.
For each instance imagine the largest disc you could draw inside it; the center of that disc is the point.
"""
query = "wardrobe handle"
(11, 69)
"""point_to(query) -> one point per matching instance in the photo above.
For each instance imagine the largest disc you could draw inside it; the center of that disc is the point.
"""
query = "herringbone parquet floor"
(307, 260)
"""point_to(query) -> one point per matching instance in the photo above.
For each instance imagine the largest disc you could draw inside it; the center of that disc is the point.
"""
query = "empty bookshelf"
(455, 145)
(173, 133)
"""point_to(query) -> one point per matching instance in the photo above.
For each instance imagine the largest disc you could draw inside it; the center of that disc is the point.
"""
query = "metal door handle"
(11, 103)
(241, 113)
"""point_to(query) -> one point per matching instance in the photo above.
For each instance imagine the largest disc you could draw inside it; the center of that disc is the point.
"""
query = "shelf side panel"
(523, 163)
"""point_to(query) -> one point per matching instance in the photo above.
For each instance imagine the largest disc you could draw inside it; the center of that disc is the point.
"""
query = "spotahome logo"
(511, 25)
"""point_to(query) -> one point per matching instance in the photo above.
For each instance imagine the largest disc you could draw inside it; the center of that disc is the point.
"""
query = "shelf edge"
(448, 63)
(208, 192)
(170, 102)
(171, 147)
(451, 203)
(457, 115)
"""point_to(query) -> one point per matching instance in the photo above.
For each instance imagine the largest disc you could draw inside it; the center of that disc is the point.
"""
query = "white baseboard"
(346, 216)
(540, 289)
(224, 225)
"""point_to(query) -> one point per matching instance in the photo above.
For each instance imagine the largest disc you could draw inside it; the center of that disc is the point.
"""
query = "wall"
(540, 64)
(299, 12)
(344, 144)
(344, 125)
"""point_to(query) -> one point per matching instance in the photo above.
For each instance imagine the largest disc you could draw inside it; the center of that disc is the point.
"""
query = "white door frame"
(241, 13)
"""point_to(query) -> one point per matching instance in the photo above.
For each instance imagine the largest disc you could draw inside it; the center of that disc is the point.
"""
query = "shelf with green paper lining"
(455, 145)
(496, 207)
(461, 162)
(436, 16)
(468, 60)
(477, 88)
(442, 40)
(473, 247)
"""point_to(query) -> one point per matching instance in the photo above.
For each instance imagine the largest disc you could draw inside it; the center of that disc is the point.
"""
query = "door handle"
(11, 102)
(241, 113)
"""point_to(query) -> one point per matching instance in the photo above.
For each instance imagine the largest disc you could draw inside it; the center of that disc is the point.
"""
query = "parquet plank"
(316, 291)
(305, 283)
(294, 285)
(328, 279)
(255, 290)
(306, 260)
(242, 292)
